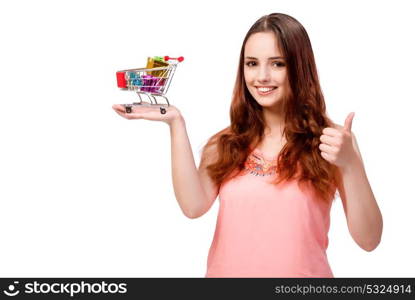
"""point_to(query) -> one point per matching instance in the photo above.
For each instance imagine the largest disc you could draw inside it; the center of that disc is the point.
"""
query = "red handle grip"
(180, 59)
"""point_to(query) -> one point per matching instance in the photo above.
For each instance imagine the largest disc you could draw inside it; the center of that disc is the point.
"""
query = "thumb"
(348, 122)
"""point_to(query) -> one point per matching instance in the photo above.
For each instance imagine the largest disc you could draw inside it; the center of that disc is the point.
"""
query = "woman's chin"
(268, 103)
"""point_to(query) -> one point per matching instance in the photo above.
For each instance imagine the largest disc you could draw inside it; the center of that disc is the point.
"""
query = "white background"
(84, 192)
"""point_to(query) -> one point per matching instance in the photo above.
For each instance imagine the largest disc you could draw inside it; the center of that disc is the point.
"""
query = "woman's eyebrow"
(274, 57)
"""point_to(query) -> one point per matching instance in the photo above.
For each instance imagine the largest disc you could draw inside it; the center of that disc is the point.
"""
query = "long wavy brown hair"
(305, 117)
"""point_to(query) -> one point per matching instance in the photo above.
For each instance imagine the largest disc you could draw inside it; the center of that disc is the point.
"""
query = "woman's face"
(265, 69)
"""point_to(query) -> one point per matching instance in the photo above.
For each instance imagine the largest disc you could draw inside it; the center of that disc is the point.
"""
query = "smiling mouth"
(265, 90)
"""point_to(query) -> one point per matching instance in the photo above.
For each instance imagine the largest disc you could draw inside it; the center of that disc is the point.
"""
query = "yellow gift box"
(156, 63)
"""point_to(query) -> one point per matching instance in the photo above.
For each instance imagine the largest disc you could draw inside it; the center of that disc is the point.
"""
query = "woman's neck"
(274, 123)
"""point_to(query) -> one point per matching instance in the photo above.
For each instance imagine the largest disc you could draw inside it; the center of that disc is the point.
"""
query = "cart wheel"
(162, 110)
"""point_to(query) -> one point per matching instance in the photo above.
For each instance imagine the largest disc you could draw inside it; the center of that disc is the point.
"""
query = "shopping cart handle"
(180, 59)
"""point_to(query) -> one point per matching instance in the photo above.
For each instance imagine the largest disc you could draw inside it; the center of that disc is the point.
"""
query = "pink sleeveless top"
(264, 230)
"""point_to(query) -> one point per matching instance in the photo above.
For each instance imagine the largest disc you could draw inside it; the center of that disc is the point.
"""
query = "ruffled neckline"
(259, 165)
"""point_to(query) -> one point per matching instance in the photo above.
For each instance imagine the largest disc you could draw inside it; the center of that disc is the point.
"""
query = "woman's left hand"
(337, 144)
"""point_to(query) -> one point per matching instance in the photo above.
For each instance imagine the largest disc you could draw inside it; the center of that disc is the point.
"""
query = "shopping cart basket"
(151, 82)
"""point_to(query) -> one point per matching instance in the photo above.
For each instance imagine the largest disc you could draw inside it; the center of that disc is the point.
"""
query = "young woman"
(276, 168)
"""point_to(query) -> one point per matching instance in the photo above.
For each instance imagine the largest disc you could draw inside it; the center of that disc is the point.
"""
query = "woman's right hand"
(149, 112)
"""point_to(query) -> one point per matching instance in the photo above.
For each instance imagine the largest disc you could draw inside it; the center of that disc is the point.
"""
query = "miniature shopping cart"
(151, 82)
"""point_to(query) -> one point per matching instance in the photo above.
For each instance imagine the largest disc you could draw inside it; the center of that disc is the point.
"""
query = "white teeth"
(265, 89)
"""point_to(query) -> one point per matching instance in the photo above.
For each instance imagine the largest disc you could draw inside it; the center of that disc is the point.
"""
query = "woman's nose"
(263, 74)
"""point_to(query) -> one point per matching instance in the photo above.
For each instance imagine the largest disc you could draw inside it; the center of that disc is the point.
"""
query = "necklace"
(257, 165)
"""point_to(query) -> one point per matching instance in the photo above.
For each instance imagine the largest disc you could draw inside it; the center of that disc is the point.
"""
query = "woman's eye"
(249, 63)
(279, 64)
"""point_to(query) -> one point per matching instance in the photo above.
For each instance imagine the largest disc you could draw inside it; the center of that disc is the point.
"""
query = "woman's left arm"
(364, 219)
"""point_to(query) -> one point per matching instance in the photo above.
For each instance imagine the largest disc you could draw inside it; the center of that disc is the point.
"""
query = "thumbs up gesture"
(337, 144)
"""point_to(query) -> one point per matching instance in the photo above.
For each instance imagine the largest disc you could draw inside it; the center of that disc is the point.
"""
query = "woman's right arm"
(193, 188)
